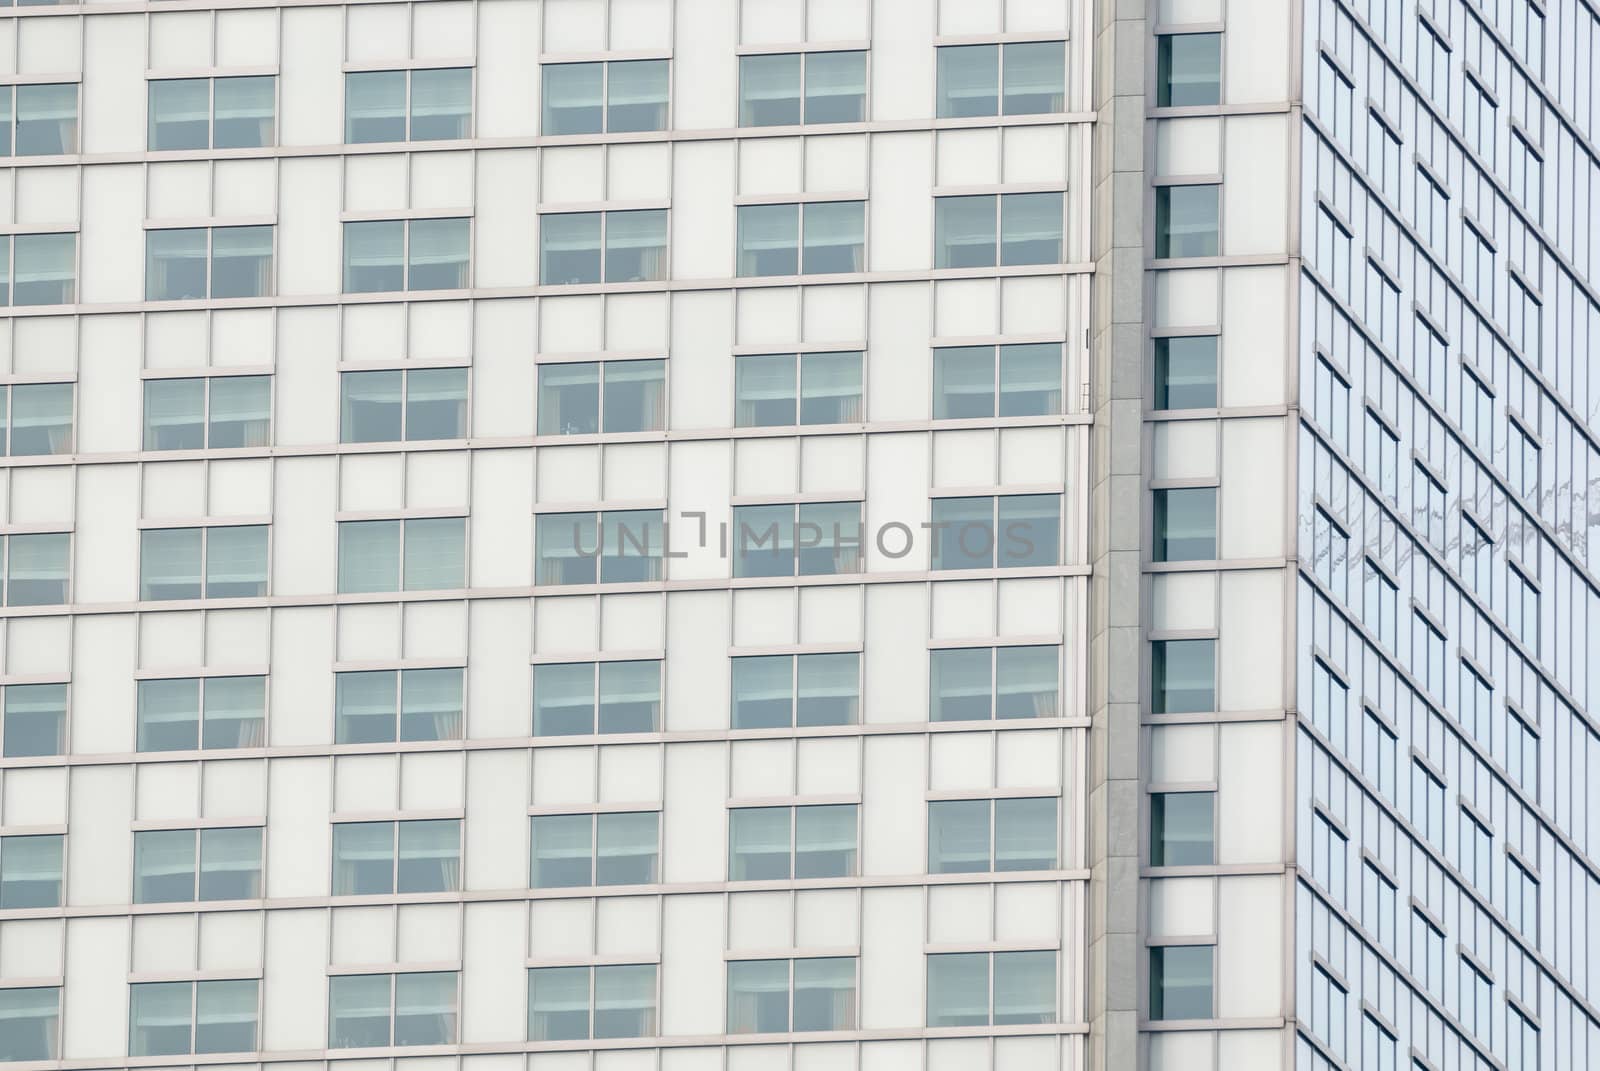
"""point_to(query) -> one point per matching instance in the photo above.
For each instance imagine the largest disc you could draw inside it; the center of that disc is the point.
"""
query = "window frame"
(795, 693)
(799, 249)
(403, 524)
(1156, 959)
(405, 401)
(53, 1042)
(394, 987)
(8, 416)
(395, 853)
(1001, 49)
(1161, 214)
(596, 694)
(8, 269)
(594, 817)
(842, 556)
(198, 857)
(9, 562)
(803, 95)
(603, 247)
(400, 674)
(996, 527)
(12, 121)
(211, 81)
(600, 557)
(602, 363)
(593, 970)
(63, 718)
(991, 971)
(800, 357)
(406, 266)
(605, 95)
(998, 394)
(204, 564)
(60, 840)
(998, 260)
(793, 991)
(1163, 67)
(194, 985)
(994, 860)
(271, 288)
(995, 691)
(206, 377)
(408, 106)
(793, 810)
(201, 683)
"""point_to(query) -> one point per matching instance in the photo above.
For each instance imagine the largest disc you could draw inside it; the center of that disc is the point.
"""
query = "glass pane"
(36, 569)
(829, 687)
(435, 554)
(47, 120)
(572, 98)
(569, 398)
(30, 872)
(631, 546)
(764, 388)
(969, 81)
(763, 540)
(637, 96)
(960, 687)
(836, 87)
(630, 697)
(35, 720)
(236, 562)
(175, 264)
(430, 857)
(363, 858)
(241, 262)
(163, 866)
(1182, 828)
(441, 104)
(1030, 379)
(374, 106)
(358, 1011)
(963, 379)
(241, 411)
(1024, 988)
(636, 246)
(436, 403)
(835, 237)
(180, 114)
(235, 712)
(159, 1018)
(824, 994)
(769, 91)
(225, 1016)
(562, 851)
(244, 112)
(636, 396)
(1186, 372)
(437, 259)
(374, 256)
(230, 864)
(758, 843)
(964, 229)
(568, 547)
(758, 996)
(825, 841)
(963, 533)
(828, 538)
(1183, 676)
(1030, 228)
(625, 1001)
(31, 1018)
(626, 848)
(769, 240)
(763, 692)
(370, 406)
(169, 563)
(1026, 682)
(425, 1008)
(431, 707)
(1185, 527)
(563, 699)
(1025, 834)
(558, 1004)
(1186, 221)
(1030, 530)
(1189, 69)
(1180, 982)
(830, 388)
(958, 989)
(364, 707)
(569, 248)
(174, 414)
(369, 556)
(1035, 77)
(41, 419)
(958, 836)
(169, 715)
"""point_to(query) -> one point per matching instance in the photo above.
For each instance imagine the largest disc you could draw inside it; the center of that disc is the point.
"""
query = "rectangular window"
(992, 836)
(785, 389)
(383, 255)
(175, 866)
(589, 397)
(1186, 372)
(1522, 461)
(36, 419)
(1383, 154)
(1383, 456)
(221, 562)
(193, 263)
(380, 858)
(428, 104)
(981, 683)
(614, 547)
(1523, 1052)
(622, 96)
(1005, 531)
(1522, 899)
(1522, 607)
(1427, 804)
(1378, 895)
(379, 706)
(1023, 990)
(779, 691)
(1022, 78)
(1527, 321)
(397, 405)
(38, 269)
(982, 230)
(1378, 1046)
(1330, 703)
(787, 89)
(1432, 212)
(971, 382)
(1330, 852)
(581, 850)
(35, 720)
(1476, 705)
(580, 1003)
(568, 697)
(1183, 828)
(380, 1010)
(416, 554)
(1329, 1008)
(1188, 70)
(1380, 598)
(1333, 250)
(1476, 849)
(1183, 675)
(30, 871)
(1522, 752)
(210, 713)
(780, 996)
(1433, 65)
(39, 120)
(1481, 122)
(778, 843)
(1184, 524)
(36, 568)
(1427, 505)
(814, 238)
(1330, 553)
(32, 1020)
(1383, 306)
(1527, 175)
(179, 1018)
(1427, 653)
(1181, 982)
(1476, 997)
(602, 247)
(1187, 220)
(217, 413)
(1477, 411)
(805, 539)
(212, 113)
(1335, 99)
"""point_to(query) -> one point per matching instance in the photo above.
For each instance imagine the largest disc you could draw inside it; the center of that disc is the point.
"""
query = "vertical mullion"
(605, 96)
(408, 108)
(592, 984)
(194, 1014)
(799, 378)
(394, 980)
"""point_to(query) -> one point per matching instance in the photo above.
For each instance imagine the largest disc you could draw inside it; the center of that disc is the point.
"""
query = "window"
(200, 262)
(379, 706)
(1383, 456)
(1330, 703)
(1522, 607)
(1522, 899)
(595, 247)
(815, 238)
(30, 871)
(1427, 652)
(1522, 461)
(777, 691)
(1332, 251)
(1330, 852)
(1187, 220)
(1381, 599)
(777, 843)
(1481, 122)
(179, 1018)
(1523, 1052)
(1378, 748)
(38, 420)
(780, 996)
(1427, 804)
(1188, 70)
(1476, 849)
(1008, 531)
(1383, 154)
(217, 413)
(1185, 524)
(986, 381)
(805, 539)
(1335, 98)
(1024, 989)
(1183, 676)
(1522, 752)
(379, 1010)
(788, 89)
(1476, 705)
(210, 713)
(1476, 1002)
(622, 96)
(382, 255)
(398, 405)
(579, 1003)
(415, 554)
(1023, 78)
(1433, 212)
(30, 1022)
(1329, 1010)
(1180, 981)
(438, 102)
(1433, 65)
(43, 269)
(35, 720)
(1332, 403)
(614, 547)
(1427, 504)
(212, 113)
(46, 120)
(980, 683)
(1000, 836)
(1183, 828)
(379, 858)
(1477, 410)
(588, 397)
(1330, 553)
(222, 562)
(580, 850)
(564, 698)
(165, 869)
(1186, 372)
(1383, 306)
(1377, 904)
(36, 569)
(982, 230)
(1378, 1046)
(1527, 175)
(784, 389)
(1477, 267)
